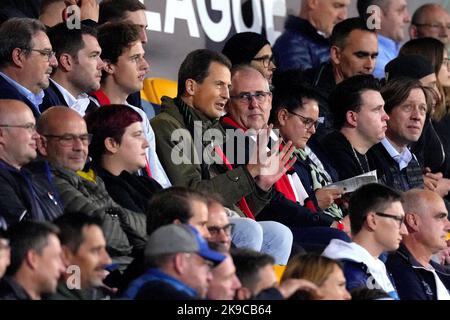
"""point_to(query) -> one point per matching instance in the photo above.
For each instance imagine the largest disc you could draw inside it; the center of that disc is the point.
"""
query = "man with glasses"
(178, 262)
(248, 114)
(219, 226)
(26, 62)
(64, 143)
(416, 275)
(431, 20)
(226, 229)
(203, 91)
(251, 48)
(360, 122)
(25, 189)
(376, 218)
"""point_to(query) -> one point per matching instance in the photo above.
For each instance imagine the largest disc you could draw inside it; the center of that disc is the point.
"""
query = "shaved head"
(54, 118)
(419, 201)
(9, 108)
(426, 218)
(64, 139)
(17, 134)
(431, 20)
(425, 10)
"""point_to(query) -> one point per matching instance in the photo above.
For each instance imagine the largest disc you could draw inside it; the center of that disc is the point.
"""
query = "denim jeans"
(269, 237)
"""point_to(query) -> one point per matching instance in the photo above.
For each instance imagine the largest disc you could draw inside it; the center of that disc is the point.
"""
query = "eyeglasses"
(266, 60)
(31, 127)
(435, 26)
(247, 97)
(399, 219)
(67, 140)
(215, 230)
(47, 53)
(307, 122)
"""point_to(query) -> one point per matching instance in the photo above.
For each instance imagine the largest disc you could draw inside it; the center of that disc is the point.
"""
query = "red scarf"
(103, 100)
(283, 185)
(242, 204)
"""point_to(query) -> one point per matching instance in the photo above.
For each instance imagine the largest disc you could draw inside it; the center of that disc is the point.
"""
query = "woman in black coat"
(118, 152)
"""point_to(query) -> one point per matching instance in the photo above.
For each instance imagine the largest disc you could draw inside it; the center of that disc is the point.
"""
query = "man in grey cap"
(179, 262)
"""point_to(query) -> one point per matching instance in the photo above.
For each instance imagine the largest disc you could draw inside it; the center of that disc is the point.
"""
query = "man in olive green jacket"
(186, 151)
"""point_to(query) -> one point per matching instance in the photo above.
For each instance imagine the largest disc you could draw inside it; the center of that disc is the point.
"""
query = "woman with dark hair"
(253, 49)
(118, 151)
(295, 113)
(435, 53)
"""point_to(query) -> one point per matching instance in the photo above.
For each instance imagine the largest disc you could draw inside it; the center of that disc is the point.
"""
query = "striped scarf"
(320, 177)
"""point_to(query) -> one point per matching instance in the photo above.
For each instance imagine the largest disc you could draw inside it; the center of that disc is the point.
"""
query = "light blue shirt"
(402, 159)
(387, 50)
(35, 99)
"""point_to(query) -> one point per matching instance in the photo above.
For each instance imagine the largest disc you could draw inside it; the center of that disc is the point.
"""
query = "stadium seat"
(279, 270)
(155, 88)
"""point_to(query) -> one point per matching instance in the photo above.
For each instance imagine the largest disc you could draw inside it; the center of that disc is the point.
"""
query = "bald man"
(431, 20)
(21, 195)
(416, 276)
(64, 143)
(304, 42)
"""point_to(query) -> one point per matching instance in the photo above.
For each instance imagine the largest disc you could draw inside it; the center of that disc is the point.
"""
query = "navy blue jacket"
(54, 97)
(357, 275)
(279, 209)
(28, 193)
(7, 91)
(300, 46)
(413, 282)
(389, 173)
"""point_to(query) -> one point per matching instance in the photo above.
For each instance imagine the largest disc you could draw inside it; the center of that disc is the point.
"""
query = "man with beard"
(83, 245)
(78, 71)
